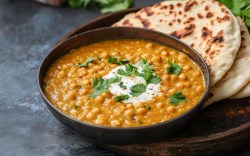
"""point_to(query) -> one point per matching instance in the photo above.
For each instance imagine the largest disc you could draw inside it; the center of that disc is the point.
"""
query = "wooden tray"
(221, 128)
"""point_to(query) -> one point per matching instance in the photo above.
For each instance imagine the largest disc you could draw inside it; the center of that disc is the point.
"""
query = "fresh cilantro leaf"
(177, 98)
(115, 60)
(121, 98)
(122, 85)
(102, 85)
(147, 73)
(113, 5)
(86, 63)
(130, 70)
(148, 107)
(174, 68)
(76, 106)
(154, 80)
(138, 89)
(79, 3)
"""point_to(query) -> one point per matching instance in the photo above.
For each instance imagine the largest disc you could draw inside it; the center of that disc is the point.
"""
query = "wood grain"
(221, 128)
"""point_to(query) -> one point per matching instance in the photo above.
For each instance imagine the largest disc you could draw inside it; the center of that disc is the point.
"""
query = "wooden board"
(221, 128)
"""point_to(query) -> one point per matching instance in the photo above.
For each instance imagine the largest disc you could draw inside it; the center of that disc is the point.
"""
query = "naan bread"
(245, 51)
(206, 25)
(238, 75)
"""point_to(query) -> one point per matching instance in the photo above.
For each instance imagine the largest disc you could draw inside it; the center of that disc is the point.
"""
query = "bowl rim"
(197, 105)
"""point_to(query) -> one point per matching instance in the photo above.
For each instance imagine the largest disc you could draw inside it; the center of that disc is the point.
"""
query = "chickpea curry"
(124, 83)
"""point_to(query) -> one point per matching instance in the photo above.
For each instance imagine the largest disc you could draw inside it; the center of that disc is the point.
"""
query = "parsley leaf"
(130, 70)
(115, 60)
(138, 89)
(177, 98)
(102, 85)
(79, 3)
(122, 85)
(174, 68)
(86, 63)
(113, 5)
(122, 97)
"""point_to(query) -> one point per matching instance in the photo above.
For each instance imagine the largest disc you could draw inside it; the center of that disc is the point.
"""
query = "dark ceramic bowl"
(112, 135)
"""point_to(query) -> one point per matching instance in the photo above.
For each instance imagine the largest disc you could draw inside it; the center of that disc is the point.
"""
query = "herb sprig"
(86, 63)
(173, 68)
(138, 89)
(105, 5)
(177, 98)
(121, 98)
(115, 60)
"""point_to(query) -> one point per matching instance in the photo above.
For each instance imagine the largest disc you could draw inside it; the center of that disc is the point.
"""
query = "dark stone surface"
(28, 31)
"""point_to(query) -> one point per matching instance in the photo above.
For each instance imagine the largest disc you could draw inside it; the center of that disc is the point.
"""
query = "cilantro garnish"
(76, 106)
(120, 98)
(138, 89)
(147, 73)
(101, 85)
(130, 70)
(148, 107)
(177, 98)
(86, 63)
(121, 84)
(239, 8)
(115, 60)
(174, 68)
(106, 5)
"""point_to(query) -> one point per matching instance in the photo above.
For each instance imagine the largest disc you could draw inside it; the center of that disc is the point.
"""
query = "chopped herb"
(130, 70)
(147, 73)
(122, 85)
(86, 63)
(99, 58)
(138, 89)
(239, 8)
(79, 3)
(177, 98)
(115, 60)
(113, 5)
(102, 85)
(148, 107)
(174, 68)
(76, 106)
(121, 98)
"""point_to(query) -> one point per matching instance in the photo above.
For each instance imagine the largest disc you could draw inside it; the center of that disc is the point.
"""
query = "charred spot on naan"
(222, 19)
(189, 4)
(147, 10)
(209, 15)
(200, 16)
(144, 22)
(189, 20)
(243, 39)
(205, 33)
(188, 30)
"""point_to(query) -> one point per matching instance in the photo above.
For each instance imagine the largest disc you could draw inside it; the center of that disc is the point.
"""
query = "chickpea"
(187, 84)
(120, 110)
(80, 103)
(83, 91)
(115, 53)
(156, 59)
(91, 65)
(166, 66)
(116, 123)
(162, 48)
(196, 73)
(99, 121)
(149, 45)
(129, 106)
(164, 53)
(180, 85)
(105, 54)
(82, 72)
(199, 89)
(105, 94)
(139, 105)
(100, 99)
(159, 105)
(73, 85)
(182, 57)
(172, 91)
(92, 71)
(174, 77)
(71, 95)
(64, 67)
(187, 67)
(146, 56)
(171, 109)
(172, 52)
(161, 95)
(110, 101)
(141, 111)
(96, 110)
(165, 77)
(90, 116)
(129, 112)
(183, 76)
(86, 82)
(62, 74)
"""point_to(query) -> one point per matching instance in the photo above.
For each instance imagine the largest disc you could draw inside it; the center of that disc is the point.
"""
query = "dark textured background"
(28, 31)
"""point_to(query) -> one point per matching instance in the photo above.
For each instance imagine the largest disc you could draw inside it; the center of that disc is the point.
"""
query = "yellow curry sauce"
(69, 83)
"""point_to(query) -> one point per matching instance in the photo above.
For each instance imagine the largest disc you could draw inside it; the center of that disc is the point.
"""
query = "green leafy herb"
(122, 85)
(86, 63)
(113, 5)
(239, 8)
(174, 68)
(99, 58)
(147, 73)
(76, 106)
(138, 89)
(79, 3)
(106, 5)
(121, 98)
(148, 107)
(115, 60)
(177, 98)
(130, 70)
(101, 85)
